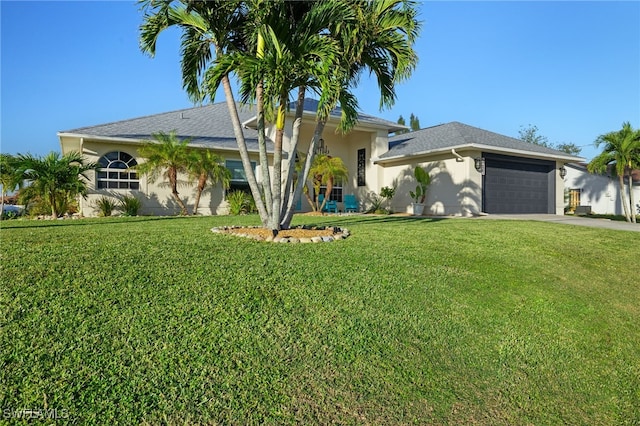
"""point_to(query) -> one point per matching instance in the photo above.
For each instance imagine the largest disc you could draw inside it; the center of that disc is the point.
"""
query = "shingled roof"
(208, 125)
(455, 135)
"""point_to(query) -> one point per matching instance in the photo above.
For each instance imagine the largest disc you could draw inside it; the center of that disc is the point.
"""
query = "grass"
(409, 321)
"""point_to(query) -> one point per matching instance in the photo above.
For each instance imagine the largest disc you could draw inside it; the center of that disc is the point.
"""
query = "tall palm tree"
(295, 52)
(54, 178)
(207, 167)
(10, 176)
(326, 171)
(621, 153)
(378, 37)
(275, 47)
(209, 30)
(168, 156)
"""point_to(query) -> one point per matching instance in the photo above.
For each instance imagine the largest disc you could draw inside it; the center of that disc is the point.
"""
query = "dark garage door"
(518, 185)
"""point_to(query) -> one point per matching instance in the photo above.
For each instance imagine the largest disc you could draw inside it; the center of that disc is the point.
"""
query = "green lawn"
(409, 321)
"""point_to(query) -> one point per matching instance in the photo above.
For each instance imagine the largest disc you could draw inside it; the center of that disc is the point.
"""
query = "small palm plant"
(206, 168)
(326, 170)
(166, 155)
(239, 202)
(105, 206)
(129, 205)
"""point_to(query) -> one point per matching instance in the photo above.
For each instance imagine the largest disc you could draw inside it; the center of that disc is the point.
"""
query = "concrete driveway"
(568, 220)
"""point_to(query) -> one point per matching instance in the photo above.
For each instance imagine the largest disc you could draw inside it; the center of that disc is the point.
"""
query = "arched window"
(114, 173)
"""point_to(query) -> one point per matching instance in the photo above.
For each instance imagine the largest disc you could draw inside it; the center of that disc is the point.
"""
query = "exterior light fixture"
(563, 172)
(479, 164)
(322, 148)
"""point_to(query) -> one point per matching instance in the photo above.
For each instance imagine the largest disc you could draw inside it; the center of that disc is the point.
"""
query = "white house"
(472, 170)
(598, 193)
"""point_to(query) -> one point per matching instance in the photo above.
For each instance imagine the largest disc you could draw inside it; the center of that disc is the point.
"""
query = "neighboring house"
(513, 176)
(599, 193)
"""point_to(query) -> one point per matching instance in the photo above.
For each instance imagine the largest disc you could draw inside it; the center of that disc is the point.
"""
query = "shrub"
(129, 205)
(105, 206)
(376, 201)
(240, 203)
(38, 206)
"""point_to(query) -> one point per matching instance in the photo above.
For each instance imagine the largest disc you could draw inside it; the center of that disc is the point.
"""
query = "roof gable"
(310, 107)
(444, 137)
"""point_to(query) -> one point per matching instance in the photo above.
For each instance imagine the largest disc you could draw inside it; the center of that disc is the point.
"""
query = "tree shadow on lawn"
(375, 220)
(33, 223)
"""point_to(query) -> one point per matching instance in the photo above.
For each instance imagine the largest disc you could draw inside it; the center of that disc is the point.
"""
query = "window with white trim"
(238, 175)
(114, 171)
(336, 190)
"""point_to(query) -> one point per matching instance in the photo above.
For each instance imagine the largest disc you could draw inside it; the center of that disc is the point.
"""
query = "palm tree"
(207, 167)
(275, 47)
(326, 171)
(10, 176)
(621, 153)
(54, 178)
(167, 156)
(378, 37)
(209, 30)
(295, 53)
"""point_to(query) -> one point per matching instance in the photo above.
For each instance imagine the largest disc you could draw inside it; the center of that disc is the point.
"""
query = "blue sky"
(570, 68)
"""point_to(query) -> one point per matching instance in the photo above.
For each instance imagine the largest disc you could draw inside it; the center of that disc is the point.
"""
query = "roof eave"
(530, 154)
(142, 141)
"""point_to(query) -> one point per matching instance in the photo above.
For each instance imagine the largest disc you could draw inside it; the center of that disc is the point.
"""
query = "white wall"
(455, 189)
(601, 192)
(156, 197)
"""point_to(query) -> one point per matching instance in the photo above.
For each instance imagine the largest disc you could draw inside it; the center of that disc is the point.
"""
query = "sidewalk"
(568, 220)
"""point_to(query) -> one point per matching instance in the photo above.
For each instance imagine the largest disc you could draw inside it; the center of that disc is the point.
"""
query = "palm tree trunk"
(202, 183)
(623, 196)
(173, 180)
(262, 147)
(290, 200)
(631, 198)
(52, 201)
(244, 153)
(277, 166)
(317, 134)
(310, 201)
(327, 192)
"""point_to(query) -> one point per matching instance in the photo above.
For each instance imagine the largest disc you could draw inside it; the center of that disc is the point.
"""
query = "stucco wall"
(156, 197)
(346, 147)
(601, 192)
(455, 189)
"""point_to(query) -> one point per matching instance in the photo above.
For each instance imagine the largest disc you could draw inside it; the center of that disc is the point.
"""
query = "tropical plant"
(376, 204)
(129, 205)
(277, 47)
(56, 179)
(10, 176)
(326, 170)
(168, 156)
(387, 192)
(239, 202)
(423, 178)
(620, 155)
(206, 168)
(105, 206)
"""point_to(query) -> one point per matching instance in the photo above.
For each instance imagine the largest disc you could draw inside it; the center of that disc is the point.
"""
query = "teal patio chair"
(350, 203)
(329, 206)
